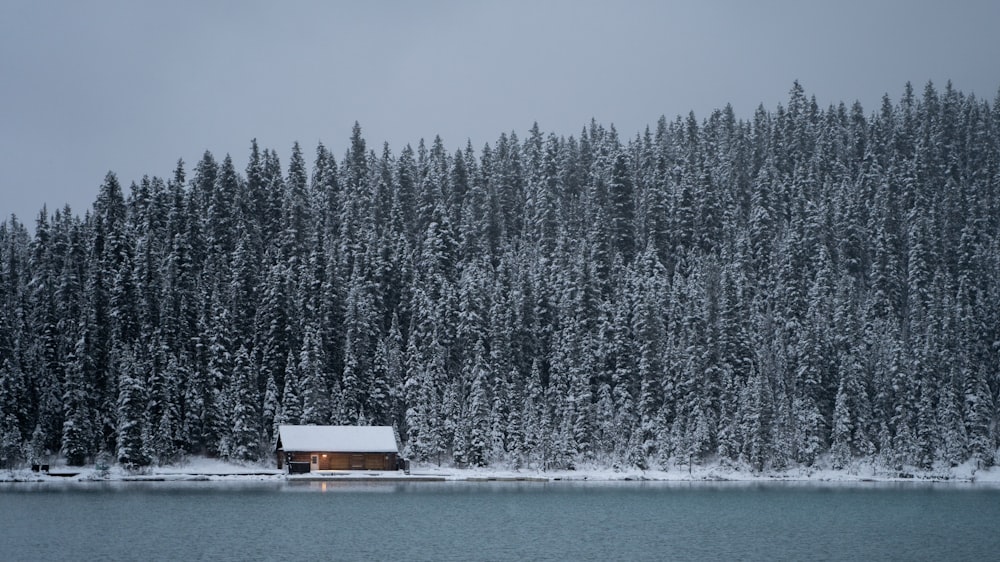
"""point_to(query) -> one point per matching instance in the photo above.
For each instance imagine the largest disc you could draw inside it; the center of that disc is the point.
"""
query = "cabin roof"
(337, 438)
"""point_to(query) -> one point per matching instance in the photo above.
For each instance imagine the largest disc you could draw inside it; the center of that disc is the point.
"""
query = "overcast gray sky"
(128, 86)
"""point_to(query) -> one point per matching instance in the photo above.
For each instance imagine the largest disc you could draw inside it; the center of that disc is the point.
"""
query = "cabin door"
(314, 462)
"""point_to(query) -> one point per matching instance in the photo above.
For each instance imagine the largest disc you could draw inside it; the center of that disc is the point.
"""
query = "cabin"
(309, 448)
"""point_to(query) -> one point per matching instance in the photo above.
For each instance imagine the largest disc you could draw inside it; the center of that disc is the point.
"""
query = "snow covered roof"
(338, 438)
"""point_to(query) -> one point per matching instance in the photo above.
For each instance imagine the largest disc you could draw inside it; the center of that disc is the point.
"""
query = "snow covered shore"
(204, 469)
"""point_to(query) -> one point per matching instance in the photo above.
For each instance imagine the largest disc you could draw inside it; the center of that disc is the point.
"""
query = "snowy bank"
(860, 472)
(206, 469)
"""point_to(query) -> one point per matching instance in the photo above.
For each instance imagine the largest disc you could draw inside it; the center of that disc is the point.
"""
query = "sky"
(131, 87)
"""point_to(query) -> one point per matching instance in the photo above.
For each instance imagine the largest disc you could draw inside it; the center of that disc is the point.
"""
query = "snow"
(216, 467)
(339, 438)
(862, 473)
(205, 469)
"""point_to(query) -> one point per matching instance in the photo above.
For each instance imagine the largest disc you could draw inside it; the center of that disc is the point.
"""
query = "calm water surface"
(498, 521)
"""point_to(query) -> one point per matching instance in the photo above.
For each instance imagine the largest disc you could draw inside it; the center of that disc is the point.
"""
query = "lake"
(498, 521)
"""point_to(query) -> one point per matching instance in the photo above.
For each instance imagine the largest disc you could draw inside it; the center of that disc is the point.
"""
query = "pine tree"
(358, 343)
(241, 441)
(388, 378)
(316, 399)
(270, 414)
(851, 416)
(478, 446)
(12, 450)
(291, 396)
(756, 412)
(79, 434)
(14, 409)
(132, 450)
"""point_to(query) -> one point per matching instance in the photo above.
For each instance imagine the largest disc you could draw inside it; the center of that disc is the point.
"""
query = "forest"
(806, 287)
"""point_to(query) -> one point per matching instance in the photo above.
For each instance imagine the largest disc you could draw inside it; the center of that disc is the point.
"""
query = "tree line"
(807, 286)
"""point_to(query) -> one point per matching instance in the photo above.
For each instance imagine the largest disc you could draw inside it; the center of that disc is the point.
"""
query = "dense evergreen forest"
(809, 286)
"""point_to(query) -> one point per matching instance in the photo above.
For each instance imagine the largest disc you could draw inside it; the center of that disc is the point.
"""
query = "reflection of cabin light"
(323, 487)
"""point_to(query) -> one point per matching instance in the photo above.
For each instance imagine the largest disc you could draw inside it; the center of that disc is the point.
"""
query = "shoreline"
(212, 470)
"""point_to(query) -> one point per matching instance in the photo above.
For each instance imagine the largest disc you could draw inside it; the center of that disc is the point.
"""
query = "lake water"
(498, 521)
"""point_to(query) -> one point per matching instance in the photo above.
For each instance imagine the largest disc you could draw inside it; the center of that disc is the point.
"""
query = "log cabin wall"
(296, 457)
(343, 461)
(380, 461)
